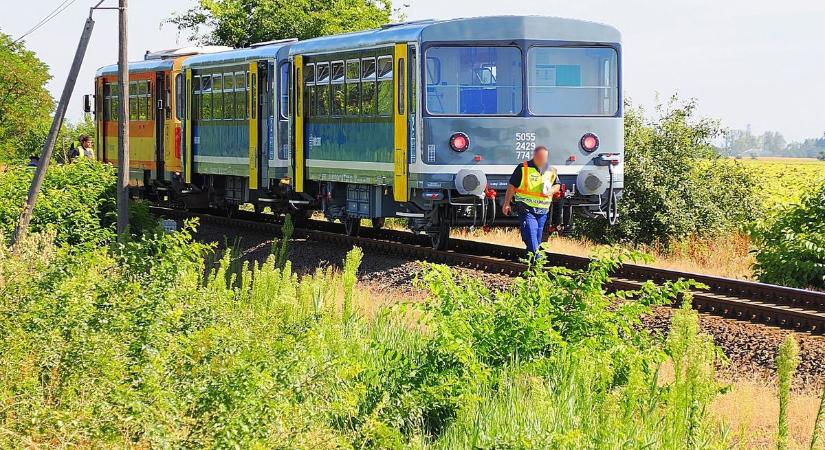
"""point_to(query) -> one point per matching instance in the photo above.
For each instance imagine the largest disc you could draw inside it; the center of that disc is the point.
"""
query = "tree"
(675, 183)
(240, 23)
(25, 103)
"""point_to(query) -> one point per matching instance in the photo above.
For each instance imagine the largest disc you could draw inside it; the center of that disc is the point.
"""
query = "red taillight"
(459, 142)
(589, 142)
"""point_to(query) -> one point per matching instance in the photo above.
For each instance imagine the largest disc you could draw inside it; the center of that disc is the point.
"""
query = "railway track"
(797, 309)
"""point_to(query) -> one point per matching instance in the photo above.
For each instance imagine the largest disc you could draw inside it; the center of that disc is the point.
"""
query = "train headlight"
(589, 142)
(459, 142)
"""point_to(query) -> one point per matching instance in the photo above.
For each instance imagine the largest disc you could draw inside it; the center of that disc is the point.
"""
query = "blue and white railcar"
(236, 127)
(427, 120)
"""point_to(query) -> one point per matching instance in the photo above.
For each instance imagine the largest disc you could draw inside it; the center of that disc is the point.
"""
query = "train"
(423, 121)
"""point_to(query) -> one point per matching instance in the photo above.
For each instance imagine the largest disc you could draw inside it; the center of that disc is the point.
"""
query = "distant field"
(787, 178)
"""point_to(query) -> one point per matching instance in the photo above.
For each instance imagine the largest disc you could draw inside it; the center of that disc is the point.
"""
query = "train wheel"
(300, 217)
(440, 236)
(378, 222)
(352, 225)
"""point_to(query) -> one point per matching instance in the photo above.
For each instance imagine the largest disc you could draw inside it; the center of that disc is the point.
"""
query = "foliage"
(25, 103)
(790, 250)
(135, 346)
(786, 363)
(676, 185)
(240, 23)
(76, 202)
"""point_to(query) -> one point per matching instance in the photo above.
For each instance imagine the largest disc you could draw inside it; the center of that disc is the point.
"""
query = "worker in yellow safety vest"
(84, 151)
(532, 186)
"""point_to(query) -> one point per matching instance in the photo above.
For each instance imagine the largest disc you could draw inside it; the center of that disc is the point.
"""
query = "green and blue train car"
(236, 127)
(421, 120)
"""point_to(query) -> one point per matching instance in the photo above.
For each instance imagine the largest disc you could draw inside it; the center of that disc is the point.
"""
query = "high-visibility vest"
(531, 190)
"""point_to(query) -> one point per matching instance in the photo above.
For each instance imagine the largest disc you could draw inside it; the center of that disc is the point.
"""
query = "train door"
(160, 116)
(298, 124)
(254, 105)
(265, 123)
(400, 165)
(101, 114)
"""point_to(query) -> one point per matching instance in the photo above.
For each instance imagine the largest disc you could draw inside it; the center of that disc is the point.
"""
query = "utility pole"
(48, 147)
(123, 124)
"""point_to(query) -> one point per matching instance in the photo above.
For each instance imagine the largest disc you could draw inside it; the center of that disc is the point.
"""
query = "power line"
(55, 12)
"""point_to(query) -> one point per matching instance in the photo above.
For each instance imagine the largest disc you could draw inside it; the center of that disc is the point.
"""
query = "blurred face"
(87, 144)
(540, 158)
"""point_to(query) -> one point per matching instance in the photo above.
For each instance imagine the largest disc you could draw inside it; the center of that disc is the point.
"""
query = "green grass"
(135, 347)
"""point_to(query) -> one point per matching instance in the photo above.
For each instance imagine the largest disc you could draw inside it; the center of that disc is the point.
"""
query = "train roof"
(241, 55)
(153, 65)
(492, 28)
(162, 60)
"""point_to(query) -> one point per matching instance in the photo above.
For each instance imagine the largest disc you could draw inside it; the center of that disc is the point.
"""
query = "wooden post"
(123, 125)
(48, 147)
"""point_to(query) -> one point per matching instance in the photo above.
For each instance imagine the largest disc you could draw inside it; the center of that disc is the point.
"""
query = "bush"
(76, 202)
(134, 346)
(675, 184)
(790, 248)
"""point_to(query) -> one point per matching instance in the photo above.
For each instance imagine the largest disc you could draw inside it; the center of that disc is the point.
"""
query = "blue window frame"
(474, 80)
(572, 81)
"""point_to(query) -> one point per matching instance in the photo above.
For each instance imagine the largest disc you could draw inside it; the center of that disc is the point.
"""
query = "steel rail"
(797, 309)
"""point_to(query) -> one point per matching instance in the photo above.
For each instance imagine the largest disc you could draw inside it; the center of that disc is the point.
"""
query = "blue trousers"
(532, 226)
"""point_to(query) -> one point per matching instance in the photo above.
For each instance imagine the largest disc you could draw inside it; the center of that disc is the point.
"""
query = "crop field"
(787, 178)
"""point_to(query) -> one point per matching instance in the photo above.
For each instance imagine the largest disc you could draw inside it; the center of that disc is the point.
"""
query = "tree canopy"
(25, 103)
(240, 23)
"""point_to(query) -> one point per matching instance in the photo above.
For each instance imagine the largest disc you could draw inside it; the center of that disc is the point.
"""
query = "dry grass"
(726, 256)
(751, 408)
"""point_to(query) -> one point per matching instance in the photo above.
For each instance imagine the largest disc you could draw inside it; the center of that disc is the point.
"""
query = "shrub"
(76, 202)
(675, 184)
(138, 345)
(790, 248)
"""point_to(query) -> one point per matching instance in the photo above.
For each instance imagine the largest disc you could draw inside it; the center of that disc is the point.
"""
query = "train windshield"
(572, 81)
(474, 80)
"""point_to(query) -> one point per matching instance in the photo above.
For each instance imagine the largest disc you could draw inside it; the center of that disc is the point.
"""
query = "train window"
(217, 97)
(133, 107)
(338, 93)
(368, 94)
(401, 92)
(240, 96)
(115, 101)
(309, 93)
(229, 96)
(385, 86)
(353, 106)
(179, 96)
(206, 98)
(413, 77)
(474, 80)
(107, 101)
(283, 91)
(253, 96)
(578, 81)
(196, 98)
(322, 88)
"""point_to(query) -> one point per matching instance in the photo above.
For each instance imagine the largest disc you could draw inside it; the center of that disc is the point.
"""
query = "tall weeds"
(786, 363)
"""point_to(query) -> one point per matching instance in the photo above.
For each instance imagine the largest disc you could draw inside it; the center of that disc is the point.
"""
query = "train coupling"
(606, 159)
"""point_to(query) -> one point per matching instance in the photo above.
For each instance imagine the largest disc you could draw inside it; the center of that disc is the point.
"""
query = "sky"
(747, 62)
